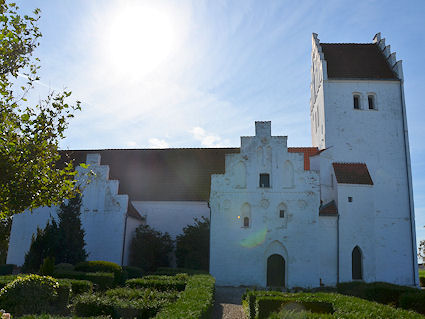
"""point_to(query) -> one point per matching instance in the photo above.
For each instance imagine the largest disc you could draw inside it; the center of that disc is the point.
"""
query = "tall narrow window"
(264, 180)
(246, 222)
(282, 213)
(371, 102)
(356, 264)
(356, 101)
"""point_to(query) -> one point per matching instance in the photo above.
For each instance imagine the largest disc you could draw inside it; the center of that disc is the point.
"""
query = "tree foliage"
(193, 246)
(150, 249)
(421, 250)
(64, 241)
(5, 226)
(29, 135)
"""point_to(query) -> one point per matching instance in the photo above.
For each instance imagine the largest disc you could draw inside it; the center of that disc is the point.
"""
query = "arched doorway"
(356, 264)
(275, 271)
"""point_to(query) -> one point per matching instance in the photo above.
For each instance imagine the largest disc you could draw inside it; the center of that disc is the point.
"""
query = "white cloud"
(132, 144)
(207, 139)
(157, 143)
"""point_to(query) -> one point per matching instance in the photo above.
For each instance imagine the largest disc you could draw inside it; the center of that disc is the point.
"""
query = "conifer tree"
(71, 235)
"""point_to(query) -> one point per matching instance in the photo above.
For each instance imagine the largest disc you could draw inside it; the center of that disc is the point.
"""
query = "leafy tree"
(421, 250)
(150, 249)
(71, 235)
(5, 226)
(29, 135)
(193, 246)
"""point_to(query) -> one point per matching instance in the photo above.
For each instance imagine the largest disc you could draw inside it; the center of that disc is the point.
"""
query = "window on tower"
(246, 222)
(356, 101)
(264, 180)
(371, 101)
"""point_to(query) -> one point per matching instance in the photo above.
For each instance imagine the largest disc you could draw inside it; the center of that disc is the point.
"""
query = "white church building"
(338, 211)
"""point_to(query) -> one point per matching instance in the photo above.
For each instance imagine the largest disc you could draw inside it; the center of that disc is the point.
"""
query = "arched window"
(356, 264)
(356, 101)
(246, 222)
(371, 101)
(246, 215)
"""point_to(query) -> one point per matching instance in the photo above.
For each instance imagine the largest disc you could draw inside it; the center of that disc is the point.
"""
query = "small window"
(371, 102)
(246, 222)
(356, 101)
(282, 213)
(264, 180)
(350, 199)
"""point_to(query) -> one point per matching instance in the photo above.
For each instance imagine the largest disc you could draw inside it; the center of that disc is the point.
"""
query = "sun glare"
(140, 38)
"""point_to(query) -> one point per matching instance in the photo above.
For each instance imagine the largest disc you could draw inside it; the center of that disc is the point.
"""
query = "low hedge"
(33, 294)
(6, 269)
(122, 304)
(422, 281)
(4, 280)
(103, 266)
(165, 271)
(414, 301)
(78, 286)
(133, 272)
(145, 294)
(195, 302)
(161, 283)
(45, 316)
(343, 306)
(381, 292)
(101, 280)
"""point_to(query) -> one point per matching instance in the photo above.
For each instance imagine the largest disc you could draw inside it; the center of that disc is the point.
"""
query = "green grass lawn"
(421, 272)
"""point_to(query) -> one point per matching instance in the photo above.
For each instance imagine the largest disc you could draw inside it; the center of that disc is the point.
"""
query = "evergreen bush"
(48, 266)
(133, 272)
(103, 266)
(35, 294)
(161, 283)
(6, 269)
(101, 280)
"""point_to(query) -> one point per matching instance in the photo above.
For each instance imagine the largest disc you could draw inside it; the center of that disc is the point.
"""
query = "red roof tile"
(328, 209)
(356, 60)
(352, 173)
(308, 151)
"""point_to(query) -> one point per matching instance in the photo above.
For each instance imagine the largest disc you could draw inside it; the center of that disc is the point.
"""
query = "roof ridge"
(337, 43)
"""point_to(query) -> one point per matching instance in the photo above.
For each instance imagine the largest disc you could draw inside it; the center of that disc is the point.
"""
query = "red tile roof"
(356, 60)
(328, 209)
(308, 151)
(352, 173)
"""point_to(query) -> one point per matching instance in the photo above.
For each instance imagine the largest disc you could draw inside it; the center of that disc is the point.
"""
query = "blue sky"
(199, 73)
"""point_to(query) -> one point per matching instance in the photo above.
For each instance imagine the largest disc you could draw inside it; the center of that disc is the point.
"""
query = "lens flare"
(255, 239)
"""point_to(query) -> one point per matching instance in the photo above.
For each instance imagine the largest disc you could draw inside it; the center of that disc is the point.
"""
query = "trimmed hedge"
(101, 280)
(103, 266)
(60, 317)
(133, 272)
(343, 306)
(195, 302)
(165, 271)
(78, 286)
(4, 280)
(161, 283)
(422, 281)
(6, 269)
(123, 303)
(381, 292)
(413, 301)
(35, 294)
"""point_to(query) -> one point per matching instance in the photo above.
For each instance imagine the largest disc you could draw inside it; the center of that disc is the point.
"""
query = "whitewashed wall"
(102, 217)
(238, 255)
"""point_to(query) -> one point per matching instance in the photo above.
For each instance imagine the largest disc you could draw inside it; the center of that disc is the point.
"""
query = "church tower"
(358, 115)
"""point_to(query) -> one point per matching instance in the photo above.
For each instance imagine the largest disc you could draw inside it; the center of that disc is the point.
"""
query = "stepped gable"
(352, 173)
(356, 60)
(328, 209)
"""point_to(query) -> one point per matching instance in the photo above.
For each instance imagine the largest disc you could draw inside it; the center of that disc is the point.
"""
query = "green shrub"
(414, 301)
(64, 267)
(145, 294)
(158, 282)
(115, 304)
(102, 280)
(78, 286)
(174, 271)
(195, 302)
(103, 266)
(345, 307)
(6, 269)
(4, 280)
(133, 272)
(35, 294)
(45, 316)
(48, 266)
(266, 305)
(422, 281)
